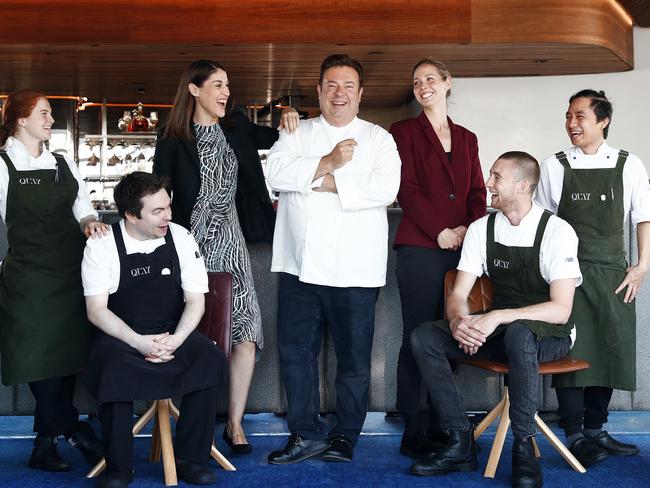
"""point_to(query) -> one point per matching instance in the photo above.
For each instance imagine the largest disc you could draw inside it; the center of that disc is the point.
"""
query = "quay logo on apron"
(140, 271)
(580, 196)
(500, 263)
(29, 181)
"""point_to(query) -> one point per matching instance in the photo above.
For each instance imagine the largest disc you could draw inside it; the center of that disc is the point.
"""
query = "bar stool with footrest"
(480, 299)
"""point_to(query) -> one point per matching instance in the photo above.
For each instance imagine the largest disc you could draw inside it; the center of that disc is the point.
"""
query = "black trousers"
(194, 430)
(55, 413)
(350, 317)
(420, 278)
(580, 406)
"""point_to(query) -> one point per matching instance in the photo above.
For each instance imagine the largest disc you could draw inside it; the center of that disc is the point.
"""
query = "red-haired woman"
(441, 193)
(44, 337)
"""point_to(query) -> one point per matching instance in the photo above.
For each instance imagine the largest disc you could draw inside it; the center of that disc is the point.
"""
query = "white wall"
(527, 113)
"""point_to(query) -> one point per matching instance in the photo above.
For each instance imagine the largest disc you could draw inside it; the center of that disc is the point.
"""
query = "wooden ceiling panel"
(130, 50)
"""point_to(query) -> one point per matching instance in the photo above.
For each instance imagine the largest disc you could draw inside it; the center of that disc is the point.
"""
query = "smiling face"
(503, 184)
(429, 87)
(154, 219)
(38, 126)
(582, 126)
(210, 98)
(339, 95)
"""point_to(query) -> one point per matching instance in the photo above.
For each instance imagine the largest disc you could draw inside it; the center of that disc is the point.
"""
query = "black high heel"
(236, 449)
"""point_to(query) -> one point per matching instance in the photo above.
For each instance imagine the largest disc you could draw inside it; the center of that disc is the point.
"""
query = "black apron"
(44, 332)
(592, 202)
(149, 299)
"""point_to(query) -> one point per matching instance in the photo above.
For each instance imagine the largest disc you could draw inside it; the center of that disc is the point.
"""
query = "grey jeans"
(517, 346)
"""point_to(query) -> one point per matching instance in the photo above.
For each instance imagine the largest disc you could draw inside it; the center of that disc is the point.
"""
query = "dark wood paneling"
(639, 9)
(227, 21)
(152, 42)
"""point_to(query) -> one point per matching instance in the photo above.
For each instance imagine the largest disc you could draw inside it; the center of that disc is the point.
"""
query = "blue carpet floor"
(376, 460)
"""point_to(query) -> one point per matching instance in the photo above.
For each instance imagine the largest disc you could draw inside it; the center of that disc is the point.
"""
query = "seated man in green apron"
(144, 285)
(531, 259)
(597, 189)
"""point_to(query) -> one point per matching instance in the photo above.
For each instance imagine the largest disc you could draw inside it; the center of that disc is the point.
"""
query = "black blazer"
(178, 160)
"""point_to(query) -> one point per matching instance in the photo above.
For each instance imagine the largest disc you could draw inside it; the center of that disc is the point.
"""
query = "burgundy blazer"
(435, 193)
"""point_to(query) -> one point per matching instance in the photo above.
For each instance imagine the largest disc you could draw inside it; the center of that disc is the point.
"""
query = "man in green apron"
(597, 188)
(531, 259)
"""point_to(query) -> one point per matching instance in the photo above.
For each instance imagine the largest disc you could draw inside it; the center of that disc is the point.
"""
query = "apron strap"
(622, 157)
(176, 264)
(60, 162)
(541, 227)
(119, 241)
(10, 165)
(489, 241)
(561, 157)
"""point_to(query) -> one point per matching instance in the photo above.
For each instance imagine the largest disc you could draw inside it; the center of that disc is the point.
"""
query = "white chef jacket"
(636, 189)
(100, 268)
(333, 239)
(558, 254)
(23, 161)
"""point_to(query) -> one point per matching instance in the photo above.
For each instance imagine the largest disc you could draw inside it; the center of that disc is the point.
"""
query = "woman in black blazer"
(219, 193)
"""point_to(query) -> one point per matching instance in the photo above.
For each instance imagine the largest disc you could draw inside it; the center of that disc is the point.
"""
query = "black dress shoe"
(458, 455)
(340, 449)
(83, 438)
(236, 449)
(587, 451)
(298, 449)
(194, 473)
(44, 455)
(422, 449)
(526, 471)
(114, 479)
(612, 446)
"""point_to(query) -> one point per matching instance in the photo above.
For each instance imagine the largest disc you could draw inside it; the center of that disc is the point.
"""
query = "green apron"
(43, 328)
(592, 202)
(517, 280)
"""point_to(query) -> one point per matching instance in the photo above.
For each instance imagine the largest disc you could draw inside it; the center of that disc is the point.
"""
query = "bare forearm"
(190, 318)
(551, 312)
(111, 324)
(325, 166)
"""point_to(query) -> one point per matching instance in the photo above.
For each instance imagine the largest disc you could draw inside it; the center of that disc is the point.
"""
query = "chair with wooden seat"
(480, 299)
(216, 324)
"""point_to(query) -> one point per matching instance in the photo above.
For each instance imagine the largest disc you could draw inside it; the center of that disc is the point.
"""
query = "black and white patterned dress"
(215, 226)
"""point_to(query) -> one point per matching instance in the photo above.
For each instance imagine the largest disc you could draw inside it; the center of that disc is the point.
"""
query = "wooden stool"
(480, 300)
(161, 441)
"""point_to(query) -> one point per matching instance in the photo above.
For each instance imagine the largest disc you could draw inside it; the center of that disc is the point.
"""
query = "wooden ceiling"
(128, 50)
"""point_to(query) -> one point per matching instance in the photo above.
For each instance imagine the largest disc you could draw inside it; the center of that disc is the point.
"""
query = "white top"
(23, 161)
(327, 238)
(636, 189)
(100, 268)
(558, 255)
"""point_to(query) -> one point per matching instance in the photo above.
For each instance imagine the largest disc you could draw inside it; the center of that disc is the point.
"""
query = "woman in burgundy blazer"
(441, 193)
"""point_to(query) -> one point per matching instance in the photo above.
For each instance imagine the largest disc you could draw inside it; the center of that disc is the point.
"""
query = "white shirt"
(100, 268)
(558, 255)
(334, 239)
(636, 189)
(23, 161)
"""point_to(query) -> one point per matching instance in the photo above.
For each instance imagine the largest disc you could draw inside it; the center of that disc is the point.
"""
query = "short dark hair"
(129, 191)
(336, 60)
(601, 106)
(526, 166)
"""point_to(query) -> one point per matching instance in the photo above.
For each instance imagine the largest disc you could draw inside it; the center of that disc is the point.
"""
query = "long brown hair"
(180, 116)
(18, 105)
